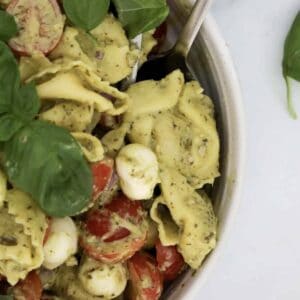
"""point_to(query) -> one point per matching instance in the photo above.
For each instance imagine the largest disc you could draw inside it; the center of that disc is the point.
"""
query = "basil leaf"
(86, 14)
(8, 26)
(138, 16)
(46, 162)
(9, 84)
(9, 78)
(18, 104)
(9, 125)
(26, 103)
(291, 60)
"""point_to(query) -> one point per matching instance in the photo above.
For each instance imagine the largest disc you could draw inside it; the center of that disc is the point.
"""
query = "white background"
(261, 259)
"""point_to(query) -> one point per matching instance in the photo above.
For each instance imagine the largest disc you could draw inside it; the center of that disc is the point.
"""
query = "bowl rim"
(226, 70)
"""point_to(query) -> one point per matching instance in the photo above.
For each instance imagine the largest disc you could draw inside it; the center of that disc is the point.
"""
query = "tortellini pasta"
(69, 48)
(84, 87)
(114, 139)
(71, 287)
(199, 110)
(195, 225)
(191, 149)
(147, 100)
(75, 90)
(30, 66)
(117, 57)
(106, 49)
(70, 115)
(169, 232)
(22, 230)
(90, 145)
(155, 96)
(40, 69)
(141, 130)
(148, 43)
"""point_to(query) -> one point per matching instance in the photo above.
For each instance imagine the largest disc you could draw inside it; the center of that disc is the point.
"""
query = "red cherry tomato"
(160, 36)
(103, 236)
(28, 289)
(40, 25)
(99, 224)
(170, 261)
(145, 279)
(102, 174)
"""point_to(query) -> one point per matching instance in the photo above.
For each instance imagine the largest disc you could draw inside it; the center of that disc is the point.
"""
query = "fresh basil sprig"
(19, 104)
(291, 60)
(8, 26)
(86, 14)
(44, 160)
(138, 16)
(39, 158)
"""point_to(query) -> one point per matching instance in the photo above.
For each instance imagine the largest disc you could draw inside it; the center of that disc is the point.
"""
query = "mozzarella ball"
(137, 168)
(99, 279)
(61, 243)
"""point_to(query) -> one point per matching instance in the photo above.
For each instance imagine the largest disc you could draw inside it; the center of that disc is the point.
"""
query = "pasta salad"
(101, 189)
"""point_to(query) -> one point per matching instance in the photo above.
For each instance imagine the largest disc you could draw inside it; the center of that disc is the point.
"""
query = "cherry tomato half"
(145, 281)
(170, 261)
(160, 35)
(114, 232)
(102, 174)
(40, 25)
(28, 289)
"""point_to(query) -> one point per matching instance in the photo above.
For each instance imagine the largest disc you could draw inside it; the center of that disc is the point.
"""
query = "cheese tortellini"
(70, 115)
(84, 87)
(68, 286)
(90, 145)
(192, 225)
(154, 96)
(106, 49)
(92, 280)
(22, 230)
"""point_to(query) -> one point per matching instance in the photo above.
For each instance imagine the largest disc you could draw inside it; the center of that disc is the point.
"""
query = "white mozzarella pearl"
(137, 168)
(61, 243)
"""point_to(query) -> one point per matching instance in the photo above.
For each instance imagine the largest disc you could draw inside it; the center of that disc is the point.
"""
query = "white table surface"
(261, 259)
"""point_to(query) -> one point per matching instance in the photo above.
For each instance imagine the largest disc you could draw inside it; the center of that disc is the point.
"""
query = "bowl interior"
(211, 65)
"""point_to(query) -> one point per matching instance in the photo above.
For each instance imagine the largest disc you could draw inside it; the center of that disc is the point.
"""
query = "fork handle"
(192, 26)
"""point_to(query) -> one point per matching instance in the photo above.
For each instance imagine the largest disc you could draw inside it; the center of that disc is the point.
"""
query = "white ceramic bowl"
(212, 64)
